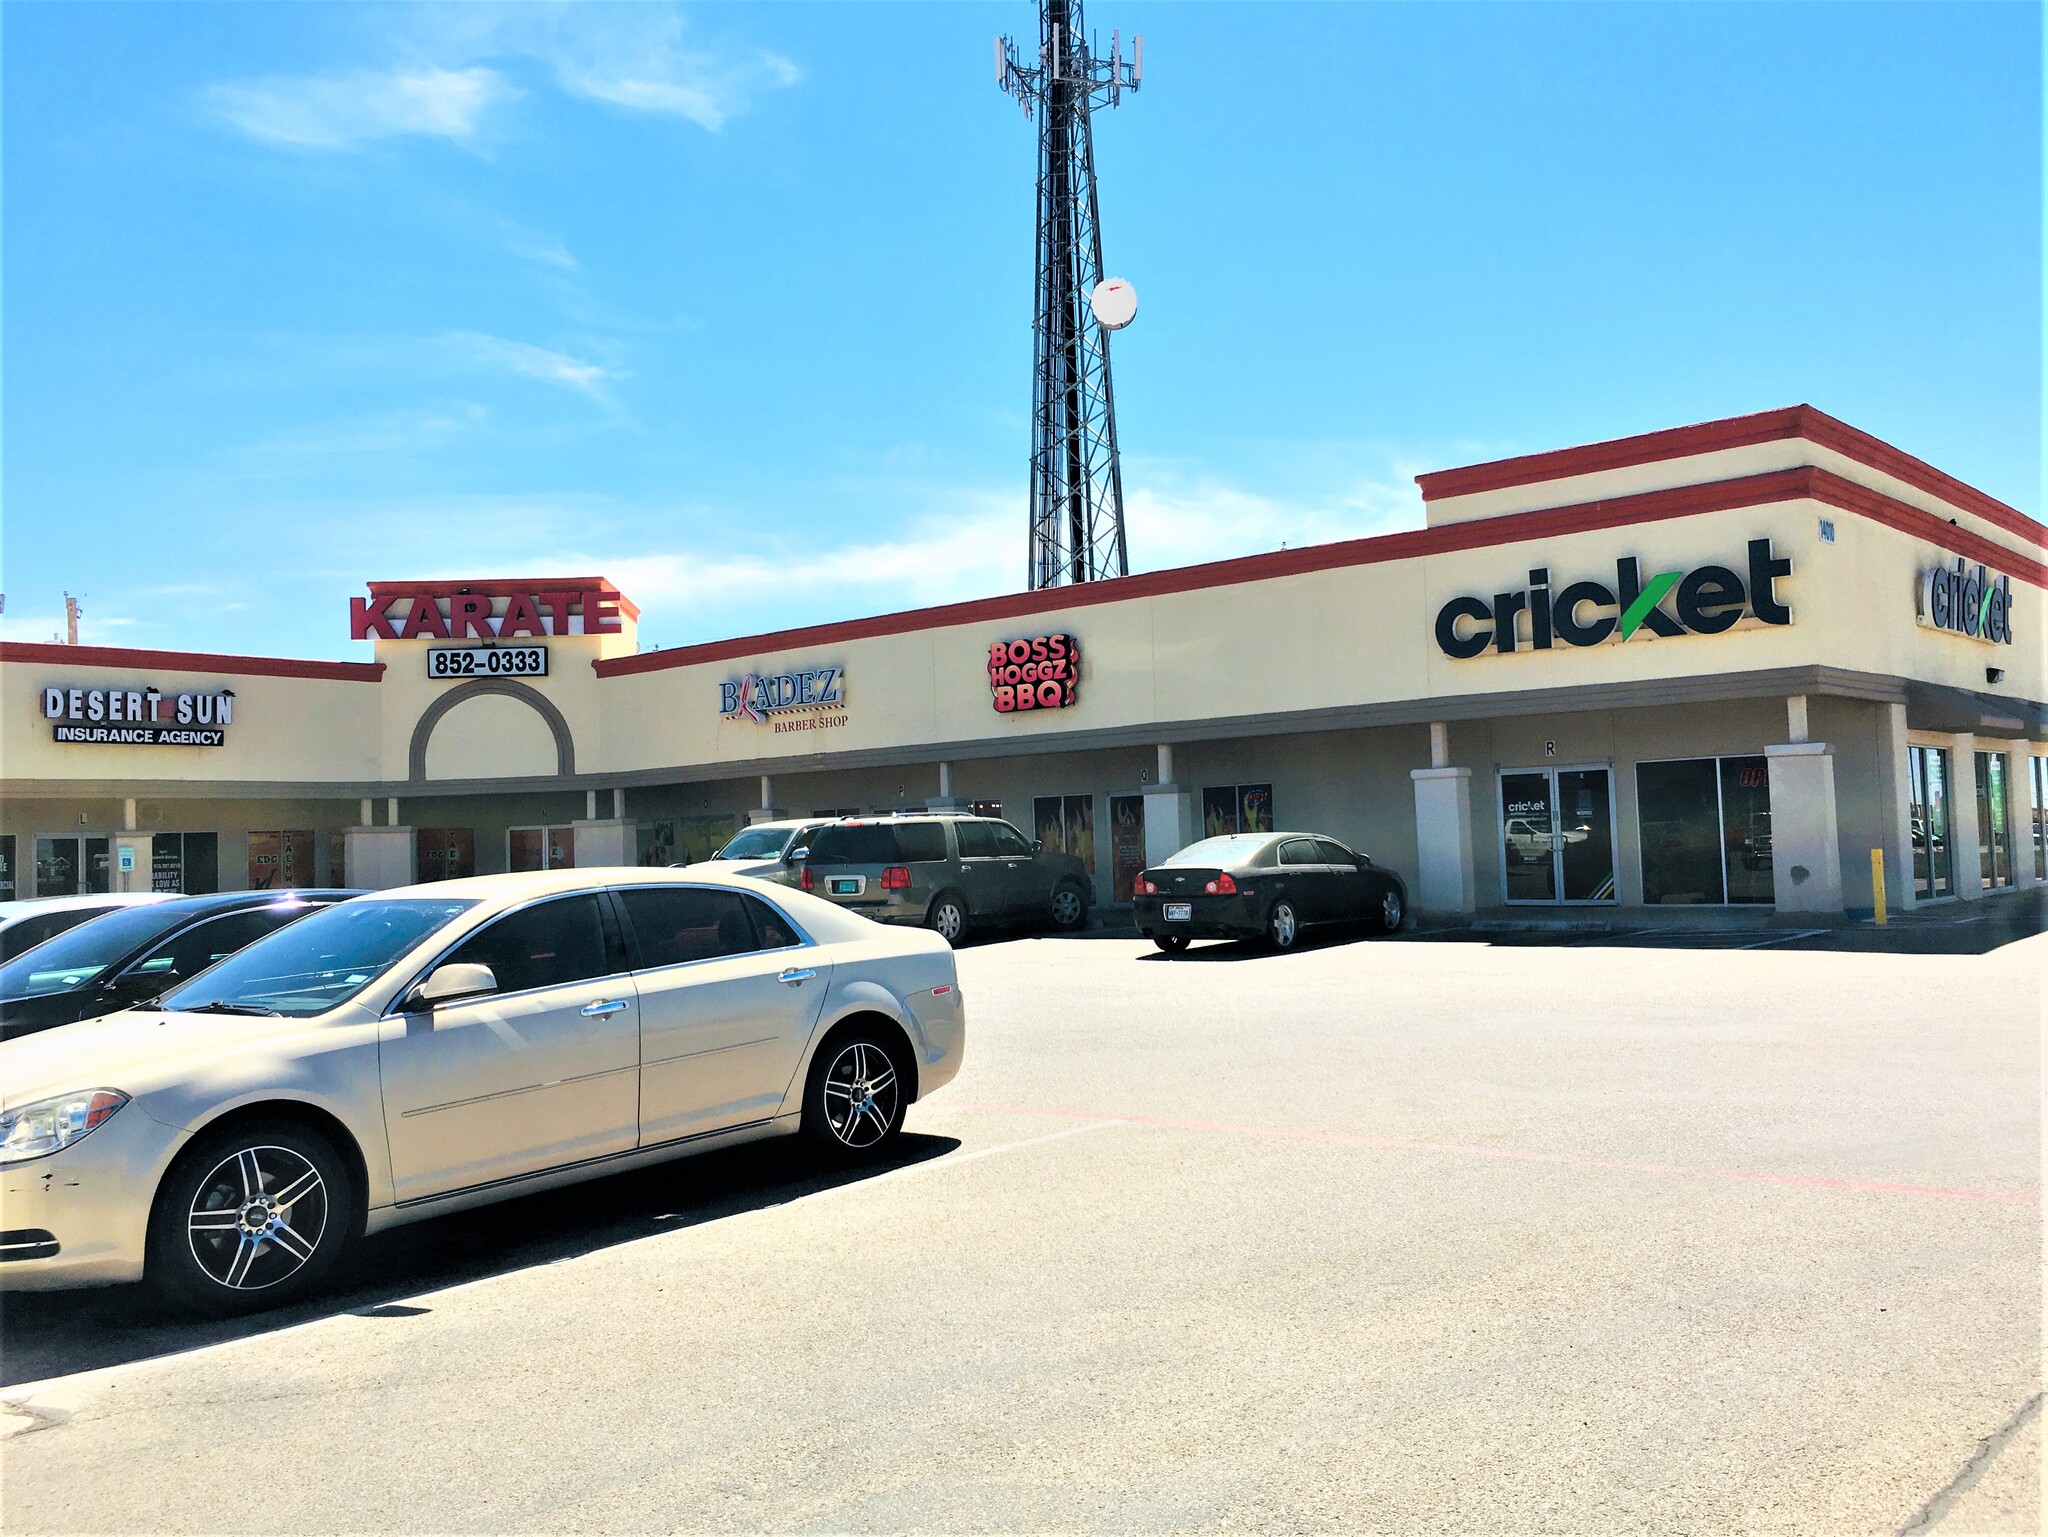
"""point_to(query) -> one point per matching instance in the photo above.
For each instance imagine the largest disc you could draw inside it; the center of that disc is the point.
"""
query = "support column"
(1806, 844)
(605, 843)
(379, 858)
(1445, 881)
(767, 811)
(1895, 788)
(391, 811)
(1962, 819)
(1169, 813)
(133, 855)
(947, 804)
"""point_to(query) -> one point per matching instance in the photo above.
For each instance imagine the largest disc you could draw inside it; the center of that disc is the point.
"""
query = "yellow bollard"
(1877, 883)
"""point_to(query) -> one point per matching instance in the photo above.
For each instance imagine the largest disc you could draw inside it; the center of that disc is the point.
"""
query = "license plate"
(1180, 912)
(850, 887)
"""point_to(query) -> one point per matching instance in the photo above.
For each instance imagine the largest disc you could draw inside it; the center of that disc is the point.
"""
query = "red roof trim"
(508, 587)
(1801, 421)
(1545, 523)
(189, 661)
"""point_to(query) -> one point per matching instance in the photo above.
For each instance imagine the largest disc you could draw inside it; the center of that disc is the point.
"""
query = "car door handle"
(603, 1006)
(795, 976)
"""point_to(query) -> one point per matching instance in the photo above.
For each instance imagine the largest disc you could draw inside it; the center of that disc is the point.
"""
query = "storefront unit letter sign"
(1041, 673)
(139, 717)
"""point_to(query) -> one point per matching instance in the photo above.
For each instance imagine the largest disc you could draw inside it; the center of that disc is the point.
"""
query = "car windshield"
(757, 843)
(78, 956)
(1232, 849)
(323, 960)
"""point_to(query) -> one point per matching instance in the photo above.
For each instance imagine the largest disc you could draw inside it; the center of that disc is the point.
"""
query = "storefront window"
(540, 848)
(1066, 824)
(1994, 835)
(69, 867)
(1126, 844)
(280, 860)
(1933, 855)
(186, 862)
(9, 881)
(1706, 831)
(990, 809)
(2038, 779)
(654, 843)
(446, 853)
(1230, 809)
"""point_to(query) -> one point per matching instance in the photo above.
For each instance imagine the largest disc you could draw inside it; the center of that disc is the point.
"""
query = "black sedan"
(1268, 886)
(126, 957)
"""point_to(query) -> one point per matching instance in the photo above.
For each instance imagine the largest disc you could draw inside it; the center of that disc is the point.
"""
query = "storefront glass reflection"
(1706, 830)
(1933, 856)
(1994, 835)
(1525, 809)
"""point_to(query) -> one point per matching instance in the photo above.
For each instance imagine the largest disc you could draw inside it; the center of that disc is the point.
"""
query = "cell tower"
(1077, 491)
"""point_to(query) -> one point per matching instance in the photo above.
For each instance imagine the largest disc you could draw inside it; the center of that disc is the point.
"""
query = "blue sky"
(732, 304)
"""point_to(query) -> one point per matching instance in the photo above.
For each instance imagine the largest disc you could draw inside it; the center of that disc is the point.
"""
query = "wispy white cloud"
(531, 362)
(638, 57)
(344, 112)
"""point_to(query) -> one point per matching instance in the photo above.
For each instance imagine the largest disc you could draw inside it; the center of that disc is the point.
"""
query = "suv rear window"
(866, 844)
(922, 843)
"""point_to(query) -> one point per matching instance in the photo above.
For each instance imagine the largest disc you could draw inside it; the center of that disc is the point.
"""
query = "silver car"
(437, 1047)
(768, 851)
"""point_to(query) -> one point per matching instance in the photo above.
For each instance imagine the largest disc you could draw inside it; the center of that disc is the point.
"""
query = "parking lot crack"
(1936, 1509)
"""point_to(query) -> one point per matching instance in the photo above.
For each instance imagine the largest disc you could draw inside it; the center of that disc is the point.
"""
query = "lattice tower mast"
(1077, 493)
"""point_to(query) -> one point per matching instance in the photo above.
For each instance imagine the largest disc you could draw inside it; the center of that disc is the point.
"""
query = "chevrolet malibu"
(438, 1047)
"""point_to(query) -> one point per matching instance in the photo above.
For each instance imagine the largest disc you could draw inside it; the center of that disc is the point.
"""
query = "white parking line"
(15, 1400)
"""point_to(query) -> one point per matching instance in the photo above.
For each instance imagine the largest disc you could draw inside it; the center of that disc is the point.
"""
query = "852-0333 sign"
(487, 662)
(138, 717)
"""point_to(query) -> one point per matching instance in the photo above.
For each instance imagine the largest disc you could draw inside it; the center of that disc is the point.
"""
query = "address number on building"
(487, 662)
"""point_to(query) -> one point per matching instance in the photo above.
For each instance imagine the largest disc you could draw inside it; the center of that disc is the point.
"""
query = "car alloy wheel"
(1390, 910)
(251, 1217)
(854, 1103)
(1069, 908)
(1282, 927)
(259, 1215)
(947, 919)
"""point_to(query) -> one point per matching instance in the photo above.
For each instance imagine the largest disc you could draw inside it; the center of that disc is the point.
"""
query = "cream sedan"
(438, 1047)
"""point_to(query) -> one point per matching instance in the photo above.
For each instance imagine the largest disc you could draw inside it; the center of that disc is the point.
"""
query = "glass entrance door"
(1557, 835)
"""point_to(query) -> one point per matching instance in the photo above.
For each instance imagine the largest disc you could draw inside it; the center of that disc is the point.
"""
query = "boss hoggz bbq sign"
(1042, 672)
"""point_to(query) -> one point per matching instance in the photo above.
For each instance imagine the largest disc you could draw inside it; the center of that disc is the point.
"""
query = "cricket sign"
(1976, 604)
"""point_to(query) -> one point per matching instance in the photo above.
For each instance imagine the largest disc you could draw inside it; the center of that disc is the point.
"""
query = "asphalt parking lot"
(1385, 1235)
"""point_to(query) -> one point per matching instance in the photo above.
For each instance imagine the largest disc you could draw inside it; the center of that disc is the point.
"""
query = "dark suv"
(946, 873)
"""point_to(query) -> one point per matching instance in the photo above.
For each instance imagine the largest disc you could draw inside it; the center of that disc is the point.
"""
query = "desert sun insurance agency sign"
(1704, 601)
(144, 717)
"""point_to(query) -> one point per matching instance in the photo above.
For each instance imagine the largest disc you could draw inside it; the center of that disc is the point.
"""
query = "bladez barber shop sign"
(144, 717)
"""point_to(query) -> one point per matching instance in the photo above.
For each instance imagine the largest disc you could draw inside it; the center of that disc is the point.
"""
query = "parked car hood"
(136, 1051)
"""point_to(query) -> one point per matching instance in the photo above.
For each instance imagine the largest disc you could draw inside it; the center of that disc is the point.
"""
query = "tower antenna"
(1077, 491)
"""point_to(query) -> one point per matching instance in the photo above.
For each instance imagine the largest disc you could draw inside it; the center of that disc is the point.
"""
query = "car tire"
(1283, 925)
(1069, 907)
(221, 1241)
(1393, 910)
(1172, 944)
(855, 1096)
(947, 917)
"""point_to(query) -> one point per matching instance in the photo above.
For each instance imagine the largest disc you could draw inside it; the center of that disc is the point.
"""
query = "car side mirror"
(798, 856)
(445, 984)
(1037, 844)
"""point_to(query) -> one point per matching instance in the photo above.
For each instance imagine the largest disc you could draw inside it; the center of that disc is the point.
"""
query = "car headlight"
(46, 1125)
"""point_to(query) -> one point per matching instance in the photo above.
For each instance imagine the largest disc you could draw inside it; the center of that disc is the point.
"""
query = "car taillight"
(1222, 886)
(895, 878)
(805, 880)
(1145, 888)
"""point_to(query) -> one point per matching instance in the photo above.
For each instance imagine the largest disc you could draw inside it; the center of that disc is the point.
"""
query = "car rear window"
(866, 843)
(922, 843)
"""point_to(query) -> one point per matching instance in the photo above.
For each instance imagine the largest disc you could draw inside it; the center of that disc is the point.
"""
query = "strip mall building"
(1717, 665)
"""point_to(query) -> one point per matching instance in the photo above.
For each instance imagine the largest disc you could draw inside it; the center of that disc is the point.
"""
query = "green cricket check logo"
(1652, 594)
